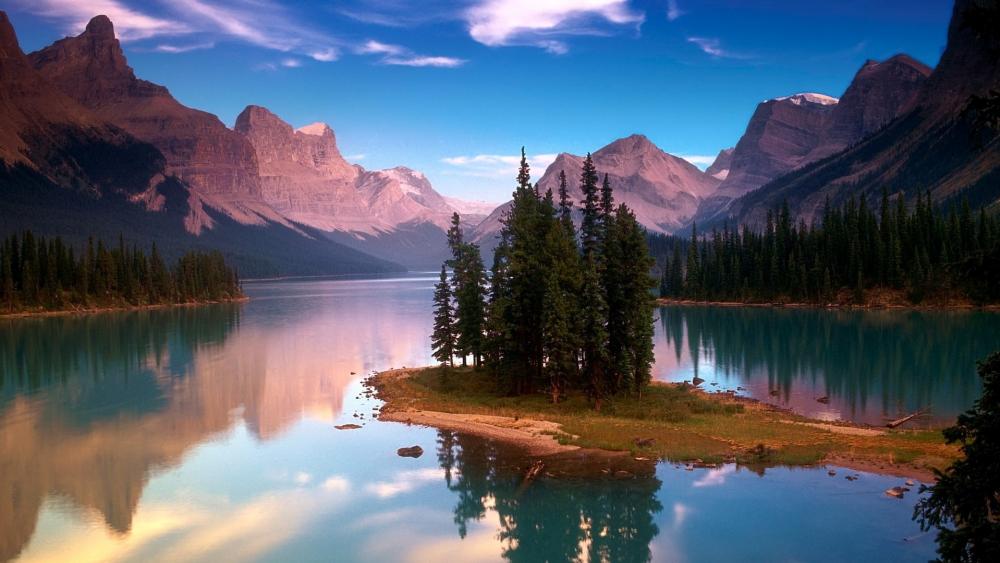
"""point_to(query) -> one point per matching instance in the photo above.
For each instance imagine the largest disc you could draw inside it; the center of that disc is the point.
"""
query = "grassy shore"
(674, 422)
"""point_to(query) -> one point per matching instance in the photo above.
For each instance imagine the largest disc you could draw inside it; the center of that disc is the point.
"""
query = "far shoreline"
(667, 301)
(86, 311)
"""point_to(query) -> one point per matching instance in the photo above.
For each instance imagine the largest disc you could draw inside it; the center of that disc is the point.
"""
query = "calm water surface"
(207, 434)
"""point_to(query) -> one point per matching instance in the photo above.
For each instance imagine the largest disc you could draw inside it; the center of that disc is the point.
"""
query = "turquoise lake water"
(206, 434)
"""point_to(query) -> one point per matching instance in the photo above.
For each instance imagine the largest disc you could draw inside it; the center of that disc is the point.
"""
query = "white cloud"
(713, 46)
(336, 484)
(372, 47)
(359, 156)
(174, 49)
(418, 61)
(130, 24)
(496, 165)
(324, 55)
(535, 22)
(715, 477)
(291, 63)
(302, 478)
(262, 23)
(404, 482)
(401, 56)
(673, 10)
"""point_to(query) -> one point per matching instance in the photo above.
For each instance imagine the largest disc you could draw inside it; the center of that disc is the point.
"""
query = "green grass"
(685, 424)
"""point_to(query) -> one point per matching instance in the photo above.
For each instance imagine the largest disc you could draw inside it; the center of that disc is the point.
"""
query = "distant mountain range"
(90, 148)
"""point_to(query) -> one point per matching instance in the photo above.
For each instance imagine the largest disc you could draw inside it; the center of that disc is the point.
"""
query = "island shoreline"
(540, 437)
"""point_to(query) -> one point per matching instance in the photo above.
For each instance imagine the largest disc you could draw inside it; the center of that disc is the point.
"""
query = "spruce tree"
(443, 338)
(590, 226)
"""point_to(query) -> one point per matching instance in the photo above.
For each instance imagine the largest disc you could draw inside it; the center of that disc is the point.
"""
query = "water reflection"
(556, 520)
(91, 407)
(870, 364)
(207, 433)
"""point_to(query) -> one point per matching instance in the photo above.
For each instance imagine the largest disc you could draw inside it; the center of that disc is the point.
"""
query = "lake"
(207, 433)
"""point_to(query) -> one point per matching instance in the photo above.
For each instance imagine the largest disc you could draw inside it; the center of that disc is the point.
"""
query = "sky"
(455, 89)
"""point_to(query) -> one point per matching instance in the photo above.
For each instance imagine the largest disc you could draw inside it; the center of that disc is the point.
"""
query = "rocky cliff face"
(302, 173)
(781, 134)
(943, 143)
(304, 176)
(789, 133)
(49, 133)
(199, 149)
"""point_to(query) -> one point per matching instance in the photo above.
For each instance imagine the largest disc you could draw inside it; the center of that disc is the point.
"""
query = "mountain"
(945, 141)
(71, 170)
(395, 214)
(719, 168)
(302, 173)
(790, 132)
(91, 68)
(663, 190)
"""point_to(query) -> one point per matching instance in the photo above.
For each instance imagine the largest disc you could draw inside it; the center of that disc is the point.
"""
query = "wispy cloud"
(713, 46)
(673, 10)
(496, 165)
(130, 24)
(291, 63)
(262, 23)
(537, 23)
(353, 157)
(174, 49)
(401, 56)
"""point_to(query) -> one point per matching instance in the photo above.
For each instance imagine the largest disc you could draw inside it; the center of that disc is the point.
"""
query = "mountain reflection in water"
(207, 433)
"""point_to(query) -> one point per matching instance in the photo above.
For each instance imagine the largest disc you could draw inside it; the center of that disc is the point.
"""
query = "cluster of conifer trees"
(922, 251)
(559, 311)
(40, 273)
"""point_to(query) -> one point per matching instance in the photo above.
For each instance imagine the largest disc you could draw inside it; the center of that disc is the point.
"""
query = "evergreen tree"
(965, 501)
(443, 341)
(590, 227)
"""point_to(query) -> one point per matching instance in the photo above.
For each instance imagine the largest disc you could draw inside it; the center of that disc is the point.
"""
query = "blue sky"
(455, 88)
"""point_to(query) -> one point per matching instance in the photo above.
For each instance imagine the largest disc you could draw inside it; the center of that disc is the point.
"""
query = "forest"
(40, 274)
(925, 254)
(561, 311)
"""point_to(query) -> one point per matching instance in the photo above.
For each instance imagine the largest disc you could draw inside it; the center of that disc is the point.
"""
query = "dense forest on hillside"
(560, 312)
(39, 274)
(925, 254)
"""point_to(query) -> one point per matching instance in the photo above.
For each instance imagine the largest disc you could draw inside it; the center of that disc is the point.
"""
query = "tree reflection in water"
(575, 519)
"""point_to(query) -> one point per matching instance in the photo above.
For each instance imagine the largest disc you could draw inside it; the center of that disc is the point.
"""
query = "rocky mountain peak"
(635, 144)
(9, 46)
(101, 27)
(317, 129)
(720, 166)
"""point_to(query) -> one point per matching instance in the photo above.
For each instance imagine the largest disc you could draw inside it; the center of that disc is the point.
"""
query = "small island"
(40, 276)
(679, 423)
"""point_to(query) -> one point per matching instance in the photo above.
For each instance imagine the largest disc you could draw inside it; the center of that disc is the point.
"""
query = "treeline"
(560, 310)
(46, 274)
(922, 252)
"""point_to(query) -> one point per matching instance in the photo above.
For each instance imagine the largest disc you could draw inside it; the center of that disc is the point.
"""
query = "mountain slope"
(787, 133)
(661, 189)
(942, 145)
(66, 171)
(91, 68)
